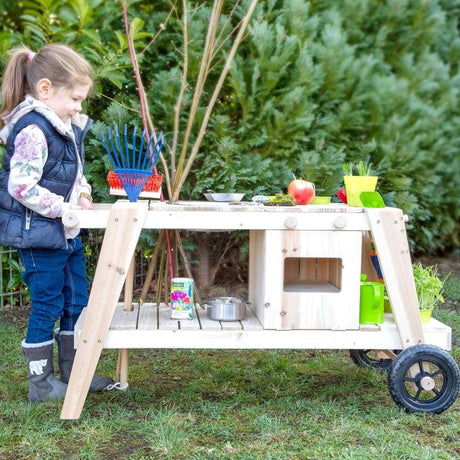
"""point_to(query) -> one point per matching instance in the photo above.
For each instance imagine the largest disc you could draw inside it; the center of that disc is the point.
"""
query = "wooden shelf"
(150, 326)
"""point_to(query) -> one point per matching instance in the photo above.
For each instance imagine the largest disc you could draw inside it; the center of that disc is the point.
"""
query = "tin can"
(181, 298)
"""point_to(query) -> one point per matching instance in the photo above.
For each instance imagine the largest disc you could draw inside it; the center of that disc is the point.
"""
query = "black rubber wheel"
(369, 359)
(424, 378)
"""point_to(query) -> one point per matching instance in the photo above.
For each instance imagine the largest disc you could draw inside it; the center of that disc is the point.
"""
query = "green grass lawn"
(206, 404)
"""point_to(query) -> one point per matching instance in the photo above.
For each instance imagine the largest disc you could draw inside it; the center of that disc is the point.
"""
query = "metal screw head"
(290, 222)
(340, 222)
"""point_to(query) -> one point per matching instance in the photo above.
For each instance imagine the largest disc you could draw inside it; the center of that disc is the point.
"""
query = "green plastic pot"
(425, 315)
(354, 185)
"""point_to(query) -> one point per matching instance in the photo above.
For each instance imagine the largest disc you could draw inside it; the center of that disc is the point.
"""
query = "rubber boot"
(66, 358)
(43, 384)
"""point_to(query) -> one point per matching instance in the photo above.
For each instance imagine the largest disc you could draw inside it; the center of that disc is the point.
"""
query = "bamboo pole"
(180, 97)
(121, 373)
(178, 183)
(199, 85)
(152, 264)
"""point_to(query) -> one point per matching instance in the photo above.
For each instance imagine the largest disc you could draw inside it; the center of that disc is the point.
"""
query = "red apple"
(302, 191)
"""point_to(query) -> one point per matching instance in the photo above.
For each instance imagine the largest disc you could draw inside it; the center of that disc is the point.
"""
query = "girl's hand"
(85, 202)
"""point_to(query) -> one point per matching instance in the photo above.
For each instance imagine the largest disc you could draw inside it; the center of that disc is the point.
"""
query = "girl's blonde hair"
(60, 64)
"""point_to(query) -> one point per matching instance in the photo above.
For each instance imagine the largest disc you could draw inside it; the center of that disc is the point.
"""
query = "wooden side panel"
(305, 279)
(266, 265)
(325, 294)
(256, 283)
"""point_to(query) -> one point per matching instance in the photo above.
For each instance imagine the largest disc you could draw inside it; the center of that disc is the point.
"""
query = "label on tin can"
(181, 298)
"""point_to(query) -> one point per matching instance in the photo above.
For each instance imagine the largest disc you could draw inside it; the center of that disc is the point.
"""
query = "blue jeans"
(58, 288)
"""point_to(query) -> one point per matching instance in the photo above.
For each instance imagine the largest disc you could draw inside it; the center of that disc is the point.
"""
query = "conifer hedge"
(315, 84)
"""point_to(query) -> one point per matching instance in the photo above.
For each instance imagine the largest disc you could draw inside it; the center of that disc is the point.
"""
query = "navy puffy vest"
(20, 227)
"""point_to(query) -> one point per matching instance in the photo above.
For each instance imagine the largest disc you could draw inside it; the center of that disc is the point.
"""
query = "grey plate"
(228, 197)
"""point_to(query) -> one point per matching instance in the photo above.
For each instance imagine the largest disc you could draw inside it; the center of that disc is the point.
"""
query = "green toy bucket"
(371, 301)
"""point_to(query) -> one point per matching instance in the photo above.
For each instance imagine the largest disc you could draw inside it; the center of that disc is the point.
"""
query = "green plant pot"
(425, 315)
(354, 185)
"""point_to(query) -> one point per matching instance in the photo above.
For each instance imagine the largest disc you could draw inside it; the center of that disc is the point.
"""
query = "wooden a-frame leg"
(121, 374)
(390, 239)
(122, 233)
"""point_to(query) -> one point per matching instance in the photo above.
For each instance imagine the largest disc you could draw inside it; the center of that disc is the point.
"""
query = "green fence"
(12, 290)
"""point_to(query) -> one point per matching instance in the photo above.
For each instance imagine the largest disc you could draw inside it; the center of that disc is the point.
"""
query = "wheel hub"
(427, 383)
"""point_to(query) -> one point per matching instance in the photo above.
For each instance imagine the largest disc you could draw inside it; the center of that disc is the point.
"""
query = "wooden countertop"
(217, 216)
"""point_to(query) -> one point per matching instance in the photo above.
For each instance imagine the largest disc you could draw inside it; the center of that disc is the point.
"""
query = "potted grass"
(363, 181)
(429, 289)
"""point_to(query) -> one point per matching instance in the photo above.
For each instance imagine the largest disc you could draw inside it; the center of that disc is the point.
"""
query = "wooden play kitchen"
(305, 268)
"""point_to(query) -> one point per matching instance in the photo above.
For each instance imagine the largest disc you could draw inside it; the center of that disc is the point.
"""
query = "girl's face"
(66, 102)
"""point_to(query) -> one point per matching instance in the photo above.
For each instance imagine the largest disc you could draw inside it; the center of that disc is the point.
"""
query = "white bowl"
(228, 197)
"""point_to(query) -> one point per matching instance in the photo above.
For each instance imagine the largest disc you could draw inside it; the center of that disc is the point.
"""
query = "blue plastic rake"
(133, 167)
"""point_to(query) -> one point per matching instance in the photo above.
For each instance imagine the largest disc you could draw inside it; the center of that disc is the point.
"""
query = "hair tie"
(30, 56)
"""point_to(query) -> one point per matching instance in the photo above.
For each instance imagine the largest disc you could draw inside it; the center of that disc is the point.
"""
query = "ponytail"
(62, 65)
(14, 84)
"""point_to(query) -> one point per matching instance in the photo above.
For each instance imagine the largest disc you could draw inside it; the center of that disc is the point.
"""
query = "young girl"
(42, 177)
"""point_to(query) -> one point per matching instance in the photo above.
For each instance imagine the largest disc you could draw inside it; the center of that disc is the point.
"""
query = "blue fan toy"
(132, 166)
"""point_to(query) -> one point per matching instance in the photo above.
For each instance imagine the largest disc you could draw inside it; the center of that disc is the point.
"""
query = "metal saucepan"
(227, 309)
